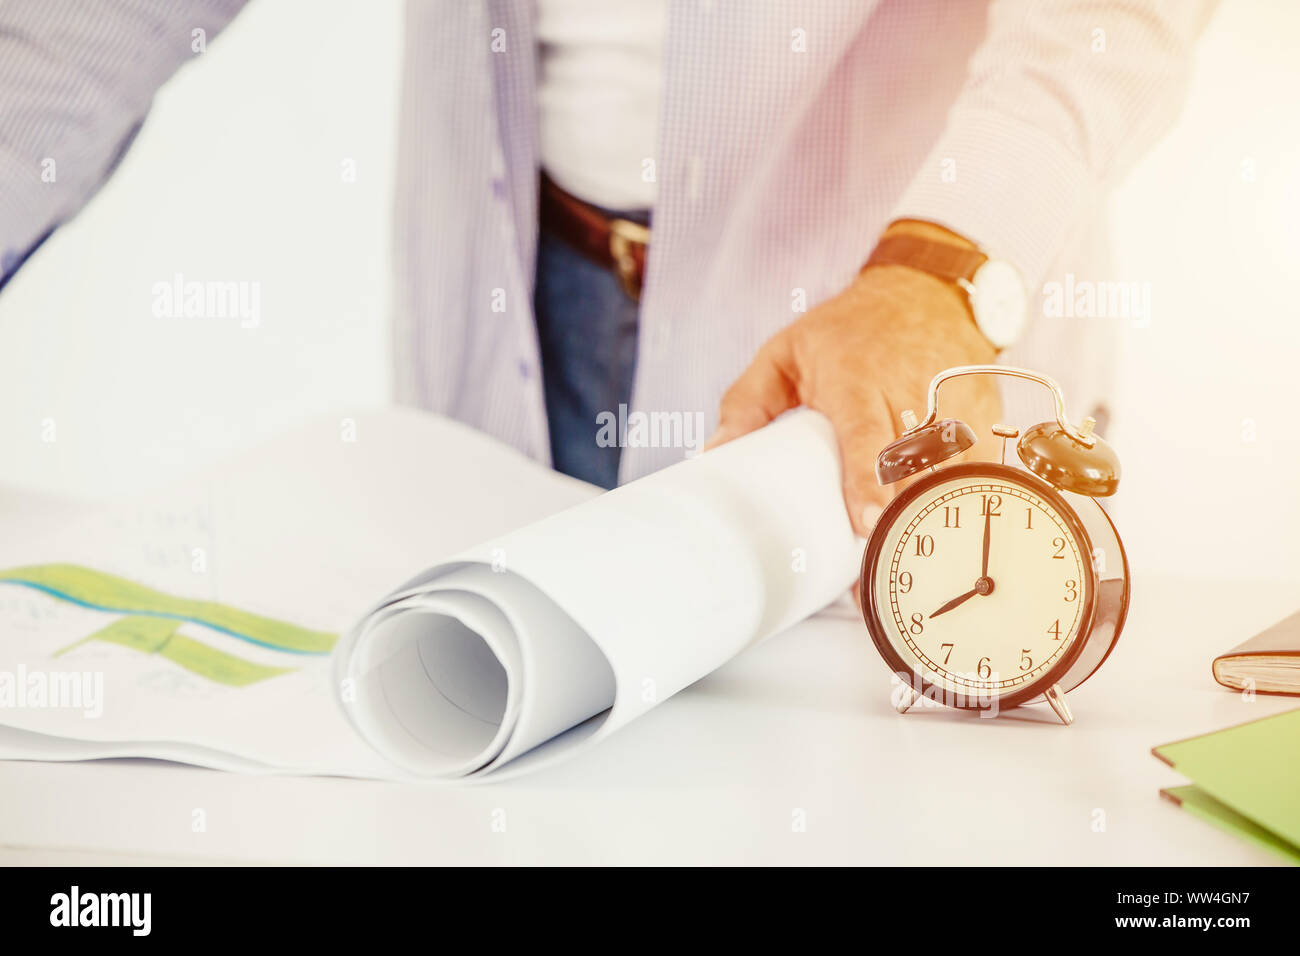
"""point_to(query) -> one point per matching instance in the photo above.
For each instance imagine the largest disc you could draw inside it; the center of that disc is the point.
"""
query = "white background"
(237, 175)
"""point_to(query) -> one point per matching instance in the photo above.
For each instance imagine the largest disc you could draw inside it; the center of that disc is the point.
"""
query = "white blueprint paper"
(576, 610)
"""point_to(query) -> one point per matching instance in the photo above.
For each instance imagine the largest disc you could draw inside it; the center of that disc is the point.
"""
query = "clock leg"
(1056, 697)
(906, 699)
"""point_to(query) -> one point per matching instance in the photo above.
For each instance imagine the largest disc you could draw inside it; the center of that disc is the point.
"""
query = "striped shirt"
(789, 135)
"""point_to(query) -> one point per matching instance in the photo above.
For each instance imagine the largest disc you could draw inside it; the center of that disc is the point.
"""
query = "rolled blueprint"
(550, 637)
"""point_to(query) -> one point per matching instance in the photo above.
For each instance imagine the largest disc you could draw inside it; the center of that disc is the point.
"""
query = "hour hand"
(956, 601)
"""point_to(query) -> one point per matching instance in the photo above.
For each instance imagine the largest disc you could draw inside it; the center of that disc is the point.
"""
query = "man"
(605, 204)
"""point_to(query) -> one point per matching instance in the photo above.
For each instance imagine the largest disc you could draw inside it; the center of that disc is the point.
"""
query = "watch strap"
(944, 260)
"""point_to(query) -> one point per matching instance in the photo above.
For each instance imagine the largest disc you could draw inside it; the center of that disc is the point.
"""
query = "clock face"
(981, 627)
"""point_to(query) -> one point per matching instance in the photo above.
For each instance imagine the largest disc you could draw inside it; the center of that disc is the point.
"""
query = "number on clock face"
(981, 584)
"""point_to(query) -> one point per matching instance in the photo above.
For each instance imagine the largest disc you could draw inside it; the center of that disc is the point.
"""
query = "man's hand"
(860, 359)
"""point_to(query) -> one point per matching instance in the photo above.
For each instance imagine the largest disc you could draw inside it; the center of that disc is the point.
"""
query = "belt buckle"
(622, 234)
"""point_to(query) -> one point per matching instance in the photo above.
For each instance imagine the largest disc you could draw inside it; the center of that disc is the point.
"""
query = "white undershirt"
(600, 73)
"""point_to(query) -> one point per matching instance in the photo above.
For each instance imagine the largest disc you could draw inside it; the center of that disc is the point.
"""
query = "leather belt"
(619, 245)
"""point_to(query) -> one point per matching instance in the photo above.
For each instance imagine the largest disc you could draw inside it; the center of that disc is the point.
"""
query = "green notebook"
(1247, 780)
(1200, 804)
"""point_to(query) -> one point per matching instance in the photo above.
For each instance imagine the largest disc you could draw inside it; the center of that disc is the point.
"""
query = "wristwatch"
(993, 287)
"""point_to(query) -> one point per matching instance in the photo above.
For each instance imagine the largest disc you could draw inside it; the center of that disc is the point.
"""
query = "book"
(255, 617)
(1268, 663)
(1203, 806)
(1246, 780)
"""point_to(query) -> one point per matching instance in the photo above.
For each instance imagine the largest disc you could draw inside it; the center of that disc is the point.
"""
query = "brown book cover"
(1268, 663)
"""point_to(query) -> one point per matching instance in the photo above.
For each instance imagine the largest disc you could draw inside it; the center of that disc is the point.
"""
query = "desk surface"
(799, 729)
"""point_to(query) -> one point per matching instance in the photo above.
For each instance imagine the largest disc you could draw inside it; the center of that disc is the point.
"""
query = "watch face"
(998, 302)
(975, 627)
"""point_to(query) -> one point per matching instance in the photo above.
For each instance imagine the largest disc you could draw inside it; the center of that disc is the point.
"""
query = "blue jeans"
(587, 327)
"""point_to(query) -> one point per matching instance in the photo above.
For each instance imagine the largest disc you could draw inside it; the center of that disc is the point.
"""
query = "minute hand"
(984, 565)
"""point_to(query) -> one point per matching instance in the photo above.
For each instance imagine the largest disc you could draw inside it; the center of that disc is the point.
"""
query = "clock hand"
(983, 585)
(984, 566)
(956, 601)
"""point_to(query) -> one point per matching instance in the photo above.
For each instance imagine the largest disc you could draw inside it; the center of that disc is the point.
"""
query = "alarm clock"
(989, 586)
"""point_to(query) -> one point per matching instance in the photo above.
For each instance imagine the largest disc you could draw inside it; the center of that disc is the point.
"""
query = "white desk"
(716, 774)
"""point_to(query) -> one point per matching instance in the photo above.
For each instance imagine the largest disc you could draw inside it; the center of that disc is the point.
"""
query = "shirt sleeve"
(76, 80)
(1061, 98)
